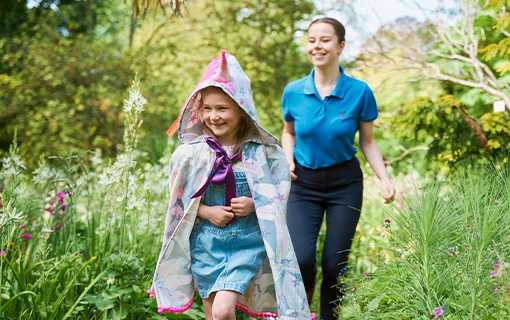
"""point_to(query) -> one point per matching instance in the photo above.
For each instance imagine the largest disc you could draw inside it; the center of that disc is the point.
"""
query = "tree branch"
(405, 153)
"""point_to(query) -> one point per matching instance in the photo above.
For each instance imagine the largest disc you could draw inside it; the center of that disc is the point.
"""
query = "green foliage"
(448, 244)
(449, 131)
(69, 235)
(65, 66)
(62, 86)
(500, 48)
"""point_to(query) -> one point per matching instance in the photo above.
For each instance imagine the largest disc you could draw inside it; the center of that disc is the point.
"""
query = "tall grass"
(449, 253)
(80, 236)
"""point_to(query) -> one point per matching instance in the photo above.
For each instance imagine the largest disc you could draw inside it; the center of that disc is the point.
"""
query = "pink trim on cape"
(175, 310)
(264, 315)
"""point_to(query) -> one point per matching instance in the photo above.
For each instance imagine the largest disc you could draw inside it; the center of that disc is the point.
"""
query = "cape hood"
(226, 73)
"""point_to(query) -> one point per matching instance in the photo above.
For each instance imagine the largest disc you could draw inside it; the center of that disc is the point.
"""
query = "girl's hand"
(388, 191)
(220, 216)
(242, 206)
(292, 167)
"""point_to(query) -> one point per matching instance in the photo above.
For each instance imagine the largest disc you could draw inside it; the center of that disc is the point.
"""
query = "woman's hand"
(220, 216)
(388, 191)
(242, 206)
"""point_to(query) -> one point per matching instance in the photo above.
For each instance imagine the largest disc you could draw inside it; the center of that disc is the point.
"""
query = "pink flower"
(26, 236)
(63, 208)
(366, 274)
(23, 226)
(151, 293)
(2, 252)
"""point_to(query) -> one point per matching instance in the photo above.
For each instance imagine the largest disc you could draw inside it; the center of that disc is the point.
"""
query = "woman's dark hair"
(337, 26)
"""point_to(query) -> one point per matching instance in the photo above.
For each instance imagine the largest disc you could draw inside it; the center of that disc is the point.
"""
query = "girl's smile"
(221, 114)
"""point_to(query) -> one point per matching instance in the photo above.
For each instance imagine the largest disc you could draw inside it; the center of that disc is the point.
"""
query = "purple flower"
(439, 312)
(493, 274)
(63, 208)
(366, 274)
(23, 226)
(1, 189)
(2, 252)
(60, 197)
(26, 236)
(497, 264)
(387, 221)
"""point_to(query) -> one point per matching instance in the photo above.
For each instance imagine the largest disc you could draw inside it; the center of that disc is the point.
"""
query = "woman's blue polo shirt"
(325, 128)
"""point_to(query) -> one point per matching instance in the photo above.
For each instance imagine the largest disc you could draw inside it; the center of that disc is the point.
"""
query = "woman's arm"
(374, 157)
(288, 144)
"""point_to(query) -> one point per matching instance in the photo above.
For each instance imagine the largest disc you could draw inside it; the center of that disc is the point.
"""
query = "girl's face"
(323, 48)
(221, 114)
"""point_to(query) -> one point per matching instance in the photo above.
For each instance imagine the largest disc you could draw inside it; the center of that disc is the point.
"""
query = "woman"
(322, 113)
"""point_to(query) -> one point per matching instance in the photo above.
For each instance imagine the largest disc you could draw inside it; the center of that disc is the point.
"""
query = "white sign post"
(499, 106)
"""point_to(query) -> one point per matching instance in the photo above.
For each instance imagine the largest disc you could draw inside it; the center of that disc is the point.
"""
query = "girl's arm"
(242, 206)
(217, 215)
(374, 157)
(288, 144)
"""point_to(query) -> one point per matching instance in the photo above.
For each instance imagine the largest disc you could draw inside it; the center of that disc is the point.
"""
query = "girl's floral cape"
(277, 290)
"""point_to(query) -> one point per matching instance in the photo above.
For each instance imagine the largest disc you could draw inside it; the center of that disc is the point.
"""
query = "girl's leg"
(224, 306)
(208, 303)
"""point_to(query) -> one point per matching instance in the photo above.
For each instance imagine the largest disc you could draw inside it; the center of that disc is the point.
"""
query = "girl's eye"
(207, 108)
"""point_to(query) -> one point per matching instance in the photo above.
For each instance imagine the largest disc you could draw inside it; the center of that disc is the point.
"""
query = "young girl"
(225, 232)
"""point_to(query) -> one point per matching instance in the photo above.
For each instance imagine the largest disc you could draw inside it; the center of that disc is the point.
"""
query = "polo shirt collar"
(339, 90)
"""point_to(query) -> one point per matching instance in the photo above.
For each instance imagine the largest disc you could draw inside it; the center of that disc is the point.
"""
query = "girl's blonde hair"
(246, 129)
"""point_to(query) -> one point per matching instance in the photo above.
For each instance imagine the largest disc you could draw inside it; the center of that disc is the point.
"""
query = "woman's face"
(323, 48)
(221, 114)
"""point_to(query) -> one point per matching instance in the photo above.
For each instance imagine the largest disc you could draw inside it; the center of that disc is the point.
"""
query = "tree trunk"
(476, 128)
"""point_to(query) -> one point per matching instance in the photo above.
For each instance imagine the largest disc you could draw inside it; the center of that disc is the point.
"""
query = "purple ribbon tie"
(222, 171)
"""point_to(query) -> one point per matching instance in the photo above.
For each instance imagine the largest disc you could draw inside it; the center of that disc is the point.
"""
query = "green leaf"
(372, 305)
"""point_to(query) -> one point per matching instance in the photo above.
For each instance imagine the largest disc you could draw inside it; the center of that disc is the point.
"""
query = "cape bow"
(222, 171)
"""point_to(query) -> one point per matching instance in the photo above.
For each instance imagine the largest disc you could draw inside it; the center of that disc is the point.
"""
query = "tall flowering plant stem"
(133, 108)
